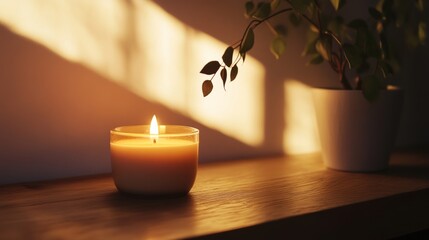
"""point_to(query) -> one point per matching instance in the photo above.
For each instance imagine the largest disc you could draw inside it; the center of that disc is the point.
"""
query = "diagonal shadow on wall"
(56, 116)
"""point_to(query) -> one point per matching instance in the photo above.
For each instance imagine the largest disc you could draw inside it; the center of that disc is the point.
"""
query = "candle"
(154, 160)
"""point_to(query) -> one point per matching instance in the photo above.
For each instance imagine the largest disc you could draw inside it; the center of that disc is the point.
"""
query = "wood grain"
(275, 197)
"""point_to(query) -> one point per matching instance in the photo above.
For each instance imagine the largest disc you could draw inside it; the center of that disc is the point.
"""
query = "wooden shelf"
(254, 198)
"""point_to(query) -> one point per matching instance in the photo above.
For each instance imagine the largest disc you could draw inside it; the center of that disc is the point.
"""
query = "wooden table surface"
(279, 197)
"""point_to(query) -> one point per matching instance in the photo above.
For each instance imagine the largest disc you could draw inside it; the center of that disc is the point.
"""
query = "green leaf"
(354, 55)
(300, 5)
(274, 4)
(360, 38)
(364, 67)
(243, 56)
(322, 50)
(207, 87)
(336, 25)
(227, 56)
(371, 86)
(388, 67)
(281, 30)
(310, 47)
(314, 29)
(223, 75)
(316, 59)
(250, 8)
(323, 47)
(375, 14)
(263, 11)
(365, 39)
(422, 33)
(295, 19)
(372, 47)
(248, 41)
(234, 72)
(335, 4)
(210, 68)
(278, 46)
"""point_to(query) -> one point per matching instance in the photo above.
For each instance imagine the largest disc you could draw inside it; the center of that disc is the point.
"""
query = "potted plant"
(357, 124)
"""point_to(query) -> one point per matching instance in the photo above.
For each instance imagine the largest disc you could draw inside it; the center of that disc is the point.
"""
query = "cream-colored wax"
(167, 166)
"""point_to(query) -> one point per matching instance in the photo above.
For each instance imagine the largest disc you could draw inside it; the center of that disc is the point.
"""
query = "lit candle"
(154, 160)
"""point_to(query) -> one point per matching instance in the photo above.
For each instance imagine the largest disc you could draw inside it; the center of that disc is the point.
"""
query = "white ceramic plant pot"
(357, 135)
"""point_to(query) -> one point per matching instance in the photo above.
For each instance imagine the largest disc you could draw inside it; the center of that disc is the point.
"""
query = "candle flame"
(154, 126)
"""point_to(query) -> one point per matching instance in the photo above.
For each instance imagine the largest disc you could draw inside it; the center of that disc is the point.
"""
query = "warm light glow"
(300, 134)
(146, 50)
(154, 126)
(171, 76)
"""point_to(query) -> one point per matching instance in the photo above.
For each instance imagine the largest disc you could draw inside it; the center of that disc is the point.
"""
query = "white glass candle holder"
(154, 164)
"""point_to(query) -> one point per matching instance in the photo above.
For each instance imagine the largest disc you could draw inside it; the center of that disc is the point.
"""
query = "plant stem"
(273, 15)
(255, 23)
(344, 59)
(340, 45)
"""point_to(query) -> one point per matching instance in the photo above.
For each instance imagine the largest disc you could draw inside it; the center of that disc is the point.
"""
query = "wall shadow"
(56, 116)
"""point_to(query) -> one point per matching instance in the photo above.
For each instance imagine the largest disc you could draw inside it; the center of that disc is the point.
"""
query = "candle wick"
(154, 140)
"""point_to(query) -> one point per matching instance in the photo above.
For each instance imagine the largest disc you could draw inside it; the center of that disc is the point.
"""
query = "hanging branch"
(349, 48)
(246, 43)
(243, 46)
